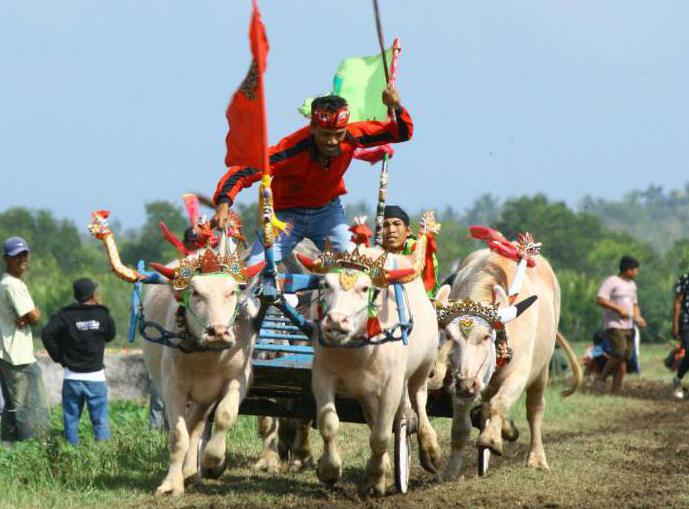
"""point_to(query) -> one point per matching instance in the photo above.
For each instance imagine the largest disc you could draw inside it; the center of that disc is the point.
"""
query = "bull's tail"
(573, 362)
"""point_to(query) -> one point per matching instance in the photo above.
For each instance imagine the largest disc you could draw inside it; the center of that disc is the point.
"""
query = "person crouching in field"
(75, 337)
(617, 296)
(680, 331)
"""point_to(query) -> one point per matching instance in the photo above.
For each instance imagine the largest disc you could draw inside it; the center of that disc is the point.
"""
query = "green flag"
(361, 81)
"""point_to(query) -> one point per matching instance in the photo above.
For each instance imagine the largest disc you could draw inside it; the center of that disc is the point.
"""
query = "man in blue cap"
(26, 407)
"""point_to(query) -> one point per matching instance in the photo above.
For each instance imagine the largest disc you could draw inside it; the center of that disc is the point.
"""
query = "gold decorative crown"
(330, 261)
(208, 263)
(446, 313)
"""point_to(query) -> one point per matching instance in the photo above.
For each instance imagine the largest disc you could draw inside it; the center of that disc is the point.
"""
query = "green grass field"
(604, 451)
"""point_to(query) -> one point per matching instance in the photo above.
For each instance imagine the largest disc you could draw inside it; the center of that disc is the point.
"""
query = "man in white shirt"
(26, 408)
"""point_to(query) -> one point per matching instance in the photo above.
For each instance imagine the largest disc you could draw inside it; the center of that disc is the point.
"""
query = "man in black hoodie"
(75, 337)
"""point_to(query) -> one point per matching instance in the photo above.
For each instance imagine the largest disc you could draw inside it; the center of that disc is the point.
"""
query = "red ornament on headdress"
(330, 119)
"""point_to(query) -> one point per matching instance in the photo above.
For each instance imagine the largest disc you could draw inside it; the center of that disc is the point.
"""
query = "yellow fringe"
(279, 227)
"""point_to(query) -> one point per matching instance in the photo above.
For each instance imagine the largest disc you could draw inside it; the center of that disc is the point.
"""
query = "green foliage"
(660, 218)
(146, 244)
(61, 253)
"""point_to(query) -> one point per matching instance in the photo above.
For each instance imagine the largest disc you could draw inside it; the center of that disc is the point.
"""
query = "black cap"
(396, 212)
(84, 289)
(190, 235)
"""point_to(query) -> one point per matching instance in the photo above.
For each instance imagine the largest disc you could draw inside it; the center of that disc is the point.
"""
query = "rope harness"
(186, 341)
(372, 310)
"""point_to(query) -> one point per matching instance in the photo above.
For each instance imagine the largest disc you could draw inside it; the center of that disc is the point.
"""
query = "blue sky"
(109, 104)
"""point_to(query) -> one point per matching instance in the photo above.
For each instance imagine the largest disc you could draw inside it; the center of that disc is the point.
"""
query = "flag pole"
(390, 78)
(381, 40)
(383, 181)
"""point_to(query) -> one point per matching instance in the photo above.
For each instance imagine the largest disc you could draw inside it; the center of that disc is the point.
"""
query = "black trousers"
(684, 362)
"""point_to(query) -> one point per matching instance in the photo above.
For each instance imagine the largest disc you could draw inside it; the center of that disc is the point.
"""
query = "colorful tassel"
(373, 327)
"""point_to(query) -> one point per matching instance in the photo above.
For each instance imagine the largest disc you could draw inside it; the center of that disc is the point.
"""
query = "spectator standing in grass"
(680, 331)
(617, 296)
(25, 412)
(75, 337)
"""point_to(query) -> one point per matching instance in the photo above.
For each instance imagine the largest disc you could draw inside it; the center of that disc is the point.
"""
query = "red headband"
(330, 119)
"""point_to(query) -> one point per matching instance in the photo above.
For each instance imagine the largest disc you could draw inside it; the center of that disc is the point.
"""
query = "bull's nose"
(466, 388)
(337, 321)
(220, 333)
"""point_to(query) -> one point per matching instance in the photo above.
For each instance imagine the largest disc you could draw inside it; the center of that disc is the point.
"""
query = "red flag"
(374, 154)
(191, 203)
(247, 138)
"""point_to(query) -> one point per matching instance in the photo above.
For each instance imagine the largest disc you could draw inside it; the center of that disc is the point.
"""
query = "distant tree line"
(583, 245)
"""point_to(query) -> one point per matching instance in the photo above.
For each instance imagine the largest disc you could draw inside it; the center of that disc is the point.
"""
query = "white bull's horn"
(510, 313)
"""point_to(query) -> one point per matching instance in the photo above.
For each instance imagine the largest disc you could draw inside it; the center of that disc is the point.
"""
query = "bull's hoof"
(510, 432)
(453, 468)
(495, 446)
(387, 465)
(213, 469)
(170, 487)
(268, 462)
(430, 455)
(283, 450)
(431, 459)
(190, 477)
(301, 464)
(538, 461)
(329, 473)
(372, 485)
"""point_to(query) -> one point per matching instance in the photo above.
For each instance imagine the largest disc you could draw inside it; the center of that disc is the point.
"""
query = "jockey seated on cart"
(308, 168)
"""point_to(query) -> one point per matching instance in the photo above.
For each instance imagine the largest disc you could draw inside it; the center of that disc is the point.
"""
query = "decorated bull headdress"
(524, 251)
(468, 313)
(355, 261)
(179, 277)
(208, 262)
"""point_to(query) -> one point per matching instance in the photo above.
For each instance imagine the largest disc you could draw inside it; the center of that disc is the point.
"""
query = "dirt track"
(629, 451)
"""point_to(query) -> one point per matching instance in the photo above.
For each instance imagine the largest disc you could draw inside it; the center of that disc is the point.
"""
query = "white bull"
(375, 375)
(483, 277)
(192, 384)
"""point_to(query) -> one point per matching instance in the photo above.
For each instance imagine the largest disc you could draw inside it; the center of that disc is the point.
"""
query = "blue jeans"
(315, 224)
(95, 394)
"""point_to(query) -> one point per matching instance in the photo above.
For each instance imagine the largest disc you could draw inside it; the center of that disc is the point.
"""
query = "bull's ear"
(252, 308)
(443, 295)
(507, 314)
(500, 298)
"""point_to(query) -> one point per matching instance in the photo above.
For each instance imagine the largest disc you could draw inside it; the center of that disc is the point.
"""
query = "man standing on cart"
(308, 167)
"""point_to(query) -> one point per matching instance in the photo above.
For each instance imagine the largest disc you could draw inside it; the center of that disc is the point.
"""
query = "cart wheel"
(201, 449)
(483, 460)
(402, 456)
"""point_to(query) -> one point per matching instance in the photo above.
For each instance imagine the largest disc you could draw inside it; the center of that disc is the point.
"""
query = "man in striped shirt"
(308, 167)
